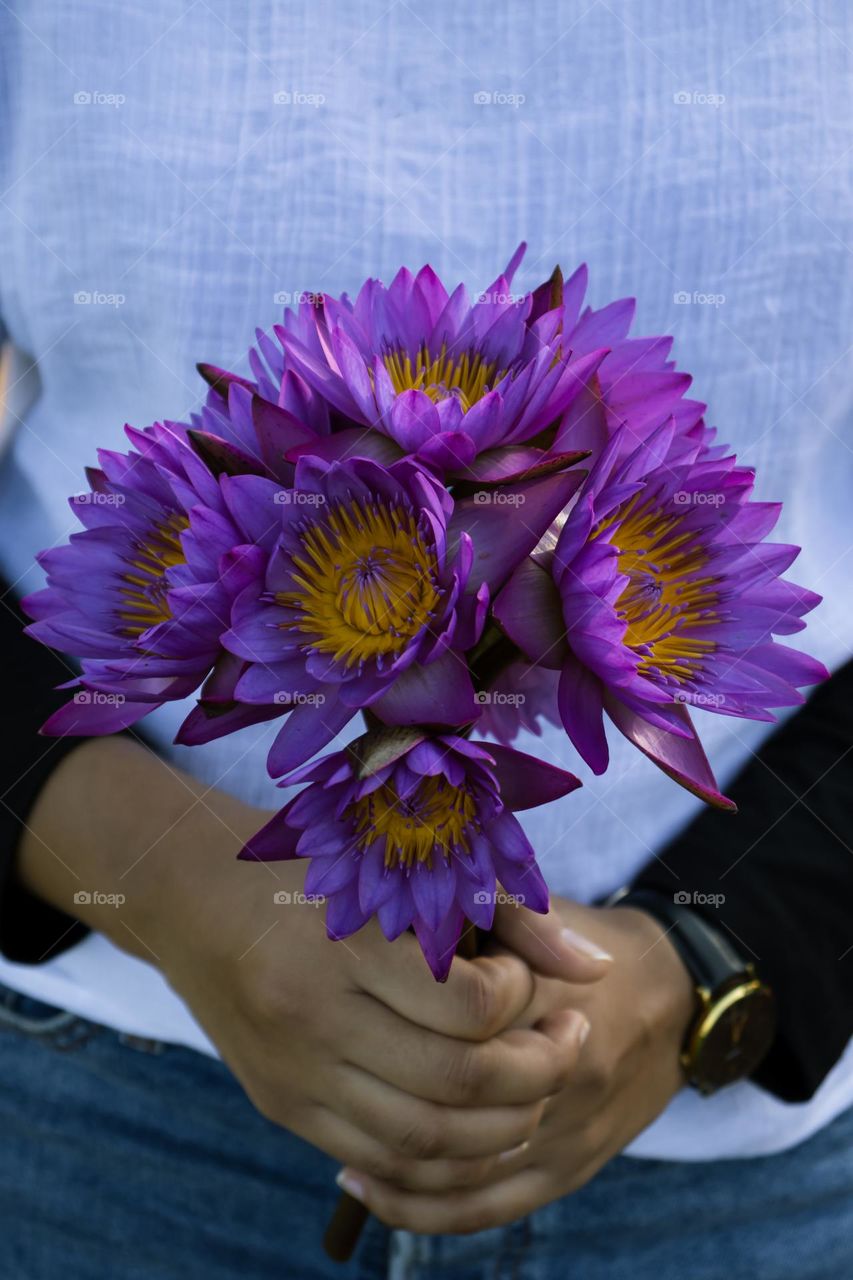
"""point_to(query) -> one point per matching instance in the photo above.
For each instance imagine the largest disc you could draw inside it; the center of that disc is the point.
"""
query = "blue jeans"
(132, 1160)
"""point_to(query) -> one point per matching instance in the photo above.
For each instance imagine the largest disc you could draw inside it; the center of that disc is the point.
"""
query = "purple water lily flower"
(243, 432)
(661, 594)
(416, 830)
(465, 387)
(635, 389)
(377, 585)
(411, 370)
(143, 593)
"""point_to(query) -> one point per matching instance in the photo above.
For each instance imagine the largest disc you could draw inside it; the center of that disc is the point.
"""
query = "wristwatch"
(736, 1019)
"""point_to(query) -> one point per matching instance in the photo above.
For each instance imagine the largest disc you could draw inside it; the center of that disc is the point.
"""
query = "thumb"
(549, 946)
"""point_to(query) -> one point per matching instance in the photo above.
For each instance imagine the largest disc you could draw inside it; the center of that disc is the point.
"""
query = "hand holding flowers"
(626, 1073)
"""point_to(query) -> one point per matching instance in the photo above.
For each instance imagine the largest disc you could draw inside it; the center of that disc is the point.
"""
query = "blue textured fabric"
(172, 173)
(142, 1161)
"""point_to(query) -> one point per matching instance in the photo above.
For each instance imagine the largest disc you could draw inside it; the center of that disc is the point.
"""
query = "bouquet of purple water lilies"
(450, 517)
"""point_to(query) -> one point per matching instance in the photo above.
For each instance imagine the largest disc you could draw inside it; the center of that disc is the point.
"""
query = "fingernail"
(513, 1152)
(582, 1031)
(348, 1182)
(586, 946)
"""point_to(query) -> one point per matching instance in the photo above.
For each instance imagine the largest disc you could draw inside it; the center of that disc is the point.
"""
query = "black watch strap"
(710, 958)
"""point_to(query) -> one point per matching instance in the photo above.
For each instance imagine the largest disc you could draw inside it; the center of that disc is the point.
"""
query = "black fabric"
(784, 867)
(31, 931)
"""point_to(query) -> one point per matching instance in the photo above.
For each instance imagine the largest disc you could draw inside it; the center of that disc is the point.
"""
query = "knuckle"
(597, 1075)
(561, 1066)
(483, 1004)
(422, 1137)
(269, 998)
(388, 1166)
(464, 1074)
(558, 1073)
(549, 1072)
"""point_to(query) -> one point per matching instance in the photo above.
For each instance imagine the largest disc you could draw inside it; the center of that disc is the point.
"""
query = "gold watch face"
(731, 1037)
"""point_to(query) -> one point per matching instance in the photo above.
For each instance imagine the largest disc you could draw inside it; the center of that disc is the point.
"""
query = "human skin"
(627, 1072)
(351, 1045)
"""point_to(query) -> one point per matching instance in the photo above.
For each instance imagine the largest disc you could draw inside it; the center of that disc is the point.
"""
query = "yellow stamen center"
(435, 818)
(668, 598)
(144, 590)
(467, 376)
(367, 582)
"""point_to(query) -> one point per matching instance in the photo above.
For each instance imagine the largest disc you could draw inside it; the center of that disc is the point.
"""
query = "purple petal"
(275, 842)
(433, 889)
(396, 912)
(439, 946)
(308, 728)
(441, 693)
(94, 718)
(350, 442)
(526, 782)
(525, 883)
(414, 420)
(529, 610)
(683, 759)
(505, 525)
(376, 882)
(579, 697)
(329, 875)
(206, 724)
(344, 915)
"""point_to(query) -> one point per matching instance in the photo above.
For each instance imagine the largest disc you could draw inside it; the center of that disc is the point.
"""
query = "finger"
(424, 1130)
(454, 1213)
(517, 1067)
(357, 1149)
(480, 997)
(548, 946)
